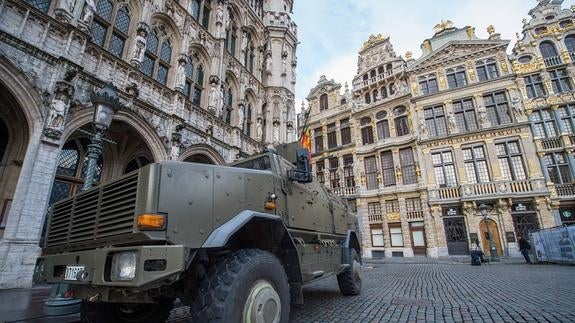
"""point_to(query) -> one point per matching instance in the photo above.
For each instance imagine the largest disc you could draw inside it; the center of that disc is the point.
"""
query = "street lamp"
(106, 104)
(483, 209)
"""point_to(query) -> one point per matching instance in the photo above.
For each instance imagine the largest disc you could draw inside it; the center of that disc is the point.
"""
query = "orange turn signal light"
(270, 205)
(151, 222)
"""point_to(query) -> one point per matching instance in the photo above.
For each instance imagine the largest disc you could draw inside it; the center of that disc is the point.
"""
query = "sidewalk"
(25, 305)
(451, 260)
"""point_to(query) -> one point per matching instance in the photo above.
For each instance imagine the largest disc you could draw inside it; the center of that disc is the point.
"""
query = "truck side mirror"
(302, 173)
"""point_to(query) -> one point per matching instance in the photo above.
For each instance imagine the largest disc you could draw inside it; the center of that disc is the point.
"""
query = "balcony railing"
(415, 215)
(375, 218)
(551, 143)
(488, 190)
(565, 190)
(363, 83)
(552, 61)
(344, 191)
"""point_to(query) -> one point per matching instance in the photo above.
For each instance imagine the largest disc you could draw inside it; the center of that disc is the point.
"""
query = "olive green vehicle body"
(209, 210)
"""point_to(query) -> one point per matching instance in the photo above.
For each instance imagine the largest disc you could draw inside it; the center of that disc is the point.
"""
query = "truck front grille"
(100, 213)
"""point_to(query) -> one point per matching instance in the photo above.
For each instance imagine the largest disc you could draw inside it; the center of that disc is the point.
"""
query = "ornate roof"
(373, 40)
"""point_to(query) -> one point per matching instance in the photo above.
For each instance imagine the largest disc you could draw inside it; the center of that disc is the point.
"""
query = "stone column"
(407, 248)
(19, 247)
(439, 231)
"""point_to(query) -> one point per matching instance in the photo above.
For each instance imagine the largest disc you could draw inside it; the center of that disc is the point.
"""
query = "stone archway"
(200, 159)
(203, 154)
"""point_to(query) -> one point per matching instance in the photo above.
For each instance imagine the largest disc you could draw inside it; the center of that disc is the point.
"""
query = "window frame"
(494, 108)
(456, 77)
(534, 86)
(465, 115)
(432, 119)
(387, 168)
(478, 166)
(446, 179)
(510, 159)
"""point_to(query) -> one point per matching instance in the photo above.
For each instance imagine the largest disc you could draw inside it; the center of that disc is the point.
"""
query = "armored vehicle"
(235, 243)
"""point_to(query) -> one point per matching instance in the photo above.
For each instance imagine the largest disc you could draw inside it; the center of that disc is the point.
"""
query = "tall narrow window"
(476, 167)
(157, 57)
(323, 102)
(387, 168)
(194, 8)
(229, 106)
(370, 165)
(401, 126)
(465, 115)
(510, 161)
(366, 131)
(561, 81)
(376, 237)
(544, 124)
(497, 108)
(199, 86)
(188, 85)
(348, 171)
(319, 168)
(557, 168)
(435, 121)
(383, 92)
(567, 115)
(534, 86)
(383, 129)
(407, 166)
(549, 53)
(374, 93)
(444, 169)
(331, 136)
(110, 26)
(231, 36)
(334, 172)
(318, 138)
(206, 15)
(367, 98)
(570, 44)
(486, 70)
(345, 131)
(456, 77)
(248, 127)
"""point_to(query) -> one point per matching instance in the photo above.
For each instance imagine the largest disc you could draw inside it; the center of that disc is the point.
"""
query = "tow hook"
(94, 298)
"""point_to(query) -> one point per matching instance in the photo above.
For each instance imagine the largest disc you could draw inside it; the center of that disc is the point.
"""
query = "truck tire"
(349, 280)
(249, 285)
(116, 312)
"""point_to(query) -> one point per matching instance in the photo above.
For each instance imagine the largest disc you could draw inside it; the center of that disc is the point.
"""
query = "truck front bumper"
(149, 266)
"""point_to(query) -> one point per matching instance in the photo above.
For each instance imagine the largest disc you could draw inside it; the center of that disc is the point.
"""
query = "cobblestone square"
(435, 292)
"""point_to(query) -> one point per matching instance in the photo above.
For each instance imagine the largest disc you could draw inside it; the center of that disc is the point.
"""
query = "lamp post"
(106, 104)
(484, 209)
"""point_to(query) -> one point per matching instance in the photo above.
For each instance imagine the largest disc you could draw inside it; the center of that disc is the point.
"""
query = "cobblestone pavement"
(438, 292)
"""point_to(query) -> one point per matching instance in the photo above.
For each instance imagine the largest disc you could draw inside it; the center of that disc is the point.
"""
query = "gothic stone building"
(203, 81)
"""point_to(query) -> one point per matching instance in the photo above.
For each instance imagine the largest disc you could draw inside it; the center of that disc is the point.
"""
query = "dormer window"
(323, 102)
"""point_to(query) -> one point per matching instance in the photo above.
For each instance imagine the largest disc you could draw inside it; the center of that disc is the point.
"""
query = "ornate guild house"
(206, 81)
(418, 145)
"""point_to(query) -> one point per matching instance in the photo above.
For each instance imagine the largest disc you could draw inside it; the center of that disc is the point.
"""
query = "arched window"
(199, 86)
(110, 26)
(231, 35)
(365, 77)
(323, 105)
(135, 164)
(380, 70)
(367, 98)
(570, 44)
(194, 9)
(71, 170)
(158, 56)
(375, 96)
(391, 89)
(188, 85)
(42, 5)
(228, 106)
(200, 8)
(249, 53)
(383, 91)
(548, 49)
(372, 73)
(249, 121)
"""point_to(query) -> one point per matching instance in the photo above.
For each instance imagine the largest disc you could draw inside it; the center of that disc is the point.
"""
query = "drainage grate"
(410, 301)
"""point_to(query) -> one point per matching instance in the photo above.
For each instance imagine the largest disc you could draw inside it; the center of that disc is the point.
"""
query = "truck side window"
(262, 163)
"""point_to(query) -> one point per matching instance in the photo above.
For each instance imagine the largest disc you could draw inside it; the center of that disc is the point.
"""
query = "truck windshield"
(261, 163)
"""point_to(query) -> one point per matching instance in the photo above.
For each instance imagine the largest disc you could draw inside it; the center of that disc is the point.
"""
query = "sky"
(331, 32)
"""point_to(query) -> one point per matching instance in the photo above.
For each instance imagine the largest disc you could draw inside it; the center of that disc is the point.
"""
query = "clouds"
(331, 32)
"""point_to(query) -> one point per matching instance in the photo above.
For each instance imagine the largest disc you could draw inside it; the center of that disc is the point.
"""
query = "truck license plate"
(72, 271)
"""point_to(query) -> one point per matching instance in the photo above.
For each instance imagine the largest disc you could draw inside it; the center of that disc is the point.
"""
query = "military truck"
(235, 243)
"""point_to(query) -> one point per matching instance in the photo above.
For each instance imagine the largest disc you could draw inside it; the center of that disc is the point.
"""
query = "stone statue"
(517, 108)
(259, 129)
(293, 73)
(422, 127)
(57, 114)
(181, 74)
(451, 122)
(269, 63)
(219, 20)
(139, 47)
(88, 11)
(241, 117)
(244, 41)
(68, 5)
(284, 65)
(174, 152)
(482, 114)
(213, 98)
(276, 133)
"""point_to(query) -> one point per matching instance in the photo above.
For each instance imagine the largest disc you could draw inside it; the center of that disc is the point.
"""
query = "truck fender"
(263, 231)
(351, 242)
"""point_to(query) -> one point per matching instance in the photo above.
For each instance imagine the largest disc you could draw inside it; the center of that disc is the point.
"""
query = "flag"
(305, 140)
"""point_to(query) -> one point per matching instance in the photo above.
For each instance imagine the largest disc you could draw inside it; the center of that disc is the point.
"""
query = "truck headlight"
(124, 265)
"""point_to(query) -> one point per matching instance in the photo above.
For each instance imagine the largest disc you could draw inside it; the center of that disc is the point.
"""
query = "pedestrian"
(524, 247)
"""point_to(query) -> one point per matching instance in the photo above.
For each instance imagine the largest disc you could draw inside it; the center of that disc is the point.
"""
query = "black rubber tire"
(223, 291)
(349, 283)
(115, 312)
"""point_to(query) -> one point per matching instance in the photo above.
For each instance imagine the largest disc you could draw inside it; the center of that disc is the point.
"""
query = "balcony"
(565, 190)
(344, 191)
(488, 190)
(374, 218)
(360, 84)
(415, 215)
(551, 143)
(552, 61)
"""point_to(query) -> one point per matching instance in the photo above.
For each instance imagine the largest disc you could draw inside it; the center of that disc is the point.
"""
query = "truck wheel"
(349, 280)
(117, 312)
(248, 286)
